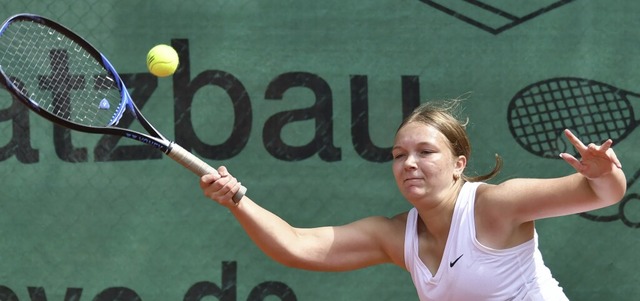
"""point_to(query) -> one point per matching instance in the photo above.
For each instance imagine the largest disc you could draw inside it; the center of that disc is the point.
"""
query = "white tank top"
(470, 271)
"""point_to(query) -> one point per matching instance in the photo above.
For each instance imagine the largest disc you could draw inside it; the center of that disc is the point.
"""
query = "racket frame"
(154, 138)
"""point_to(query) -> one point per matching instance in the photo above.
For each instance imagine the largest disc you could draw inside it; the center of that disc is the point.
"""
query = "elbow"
(293, 264)
(303, 259)
(622, 187)
(615, 191)
(291, 259)
(298, 263)
(619, 195)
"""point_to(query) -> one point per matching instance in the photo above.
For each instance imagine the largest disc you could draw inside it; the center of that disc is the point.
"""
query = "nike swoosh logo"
(451, 264)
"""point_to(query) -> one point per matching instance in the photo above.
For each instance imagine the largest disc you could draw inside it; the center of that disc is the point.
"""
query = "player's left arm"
(598, 182)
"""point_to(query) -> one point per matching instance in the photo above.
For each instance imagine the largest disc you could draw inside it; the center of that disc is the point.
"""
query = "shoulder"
(390, 234)
(400, 218)
(381, 226)
(491, 202)
(495, 195)
(384, 224)
(495, 224)
(484, 190)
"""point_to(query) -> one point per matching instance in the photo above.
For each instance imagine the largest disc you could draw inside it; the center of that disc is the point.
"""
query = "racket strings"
(540, 114)
(57, 74)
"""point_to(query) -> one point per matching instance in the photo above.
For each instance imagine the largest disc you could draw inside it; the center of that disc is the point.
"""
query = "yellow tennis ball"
(162, 60)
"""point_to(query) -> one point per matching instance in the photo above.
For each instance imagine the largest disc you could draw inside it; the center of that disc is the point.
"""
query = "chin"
(413, 194)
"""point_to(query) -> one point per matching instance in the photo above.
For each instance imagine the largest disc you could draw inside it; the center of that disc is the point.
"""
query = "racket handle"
(197, 166)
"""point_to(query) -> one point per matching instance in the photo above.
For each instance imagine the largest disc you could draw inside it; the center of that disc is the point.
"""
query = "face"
(423, 163)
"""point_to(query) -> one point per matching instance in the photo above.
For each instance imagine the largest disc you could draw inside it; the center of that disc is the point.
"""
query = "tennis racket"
(539, 113)
(64, 79)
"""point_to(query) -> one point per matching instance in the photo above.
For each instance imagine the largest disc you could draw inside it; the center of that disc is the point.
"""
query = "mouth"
(413, 179)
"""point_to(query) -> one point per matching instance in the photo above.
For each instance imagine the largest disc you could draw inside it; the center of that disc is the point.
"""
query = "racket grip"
(197, 166)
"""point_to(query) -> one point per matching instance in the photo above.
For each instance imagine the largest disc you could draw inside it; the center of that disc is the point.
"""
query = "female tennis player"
(464, 239)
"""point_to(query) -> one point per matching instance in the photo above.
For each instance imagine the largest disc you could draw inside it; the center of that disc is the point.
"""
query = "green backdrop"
(300, 99)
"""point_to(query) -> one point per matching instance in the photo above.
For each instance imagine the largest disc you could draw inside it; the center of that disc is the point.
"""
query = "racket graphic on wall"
(539, 113)
(64, 79)
(624, 217)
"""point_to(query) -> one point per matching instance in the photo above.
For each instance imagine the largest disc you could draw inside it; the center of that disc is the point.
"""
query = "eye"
(397, 155)
(425, 152)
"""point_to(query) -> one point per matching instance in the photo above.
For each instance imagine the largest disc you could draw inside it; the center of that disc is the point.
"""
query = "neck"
(437, 219)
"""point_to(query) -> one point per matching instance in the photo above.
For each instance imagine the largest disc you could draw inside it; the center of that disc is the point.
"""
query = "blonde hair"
(441, 116)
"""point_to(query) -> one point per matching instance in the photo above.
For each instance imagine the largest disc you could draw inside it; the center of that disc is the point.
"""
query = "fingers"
(579, 146)
(592, 147)
(606, 145)
(227, 185)
(207, 179)
(575, 163)
(606, 148)
(612, 155)
(214, 176)
(594, 158)
(220, 186)
(223, 171)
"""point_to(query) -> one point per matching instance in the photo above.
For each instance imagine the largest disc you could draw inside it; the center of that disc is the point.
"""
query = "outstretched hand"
(595, 160)
(220, 187)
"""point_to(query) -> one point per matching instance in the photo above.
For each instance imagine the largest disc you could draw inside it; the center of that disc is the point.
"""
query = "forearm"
(317, 248)
(273, 235)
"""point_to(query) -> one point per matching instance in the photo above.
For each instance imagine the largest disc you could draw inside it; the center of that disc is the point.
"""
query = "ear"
(459, 166)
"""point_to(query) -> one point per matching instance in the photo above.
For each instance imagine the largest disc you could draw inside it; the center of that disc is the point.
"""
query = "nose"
(410, 162)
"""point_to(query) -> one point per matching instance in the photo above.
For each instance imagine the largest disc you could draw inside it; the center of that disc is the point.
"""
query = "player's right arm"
(366, 242)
